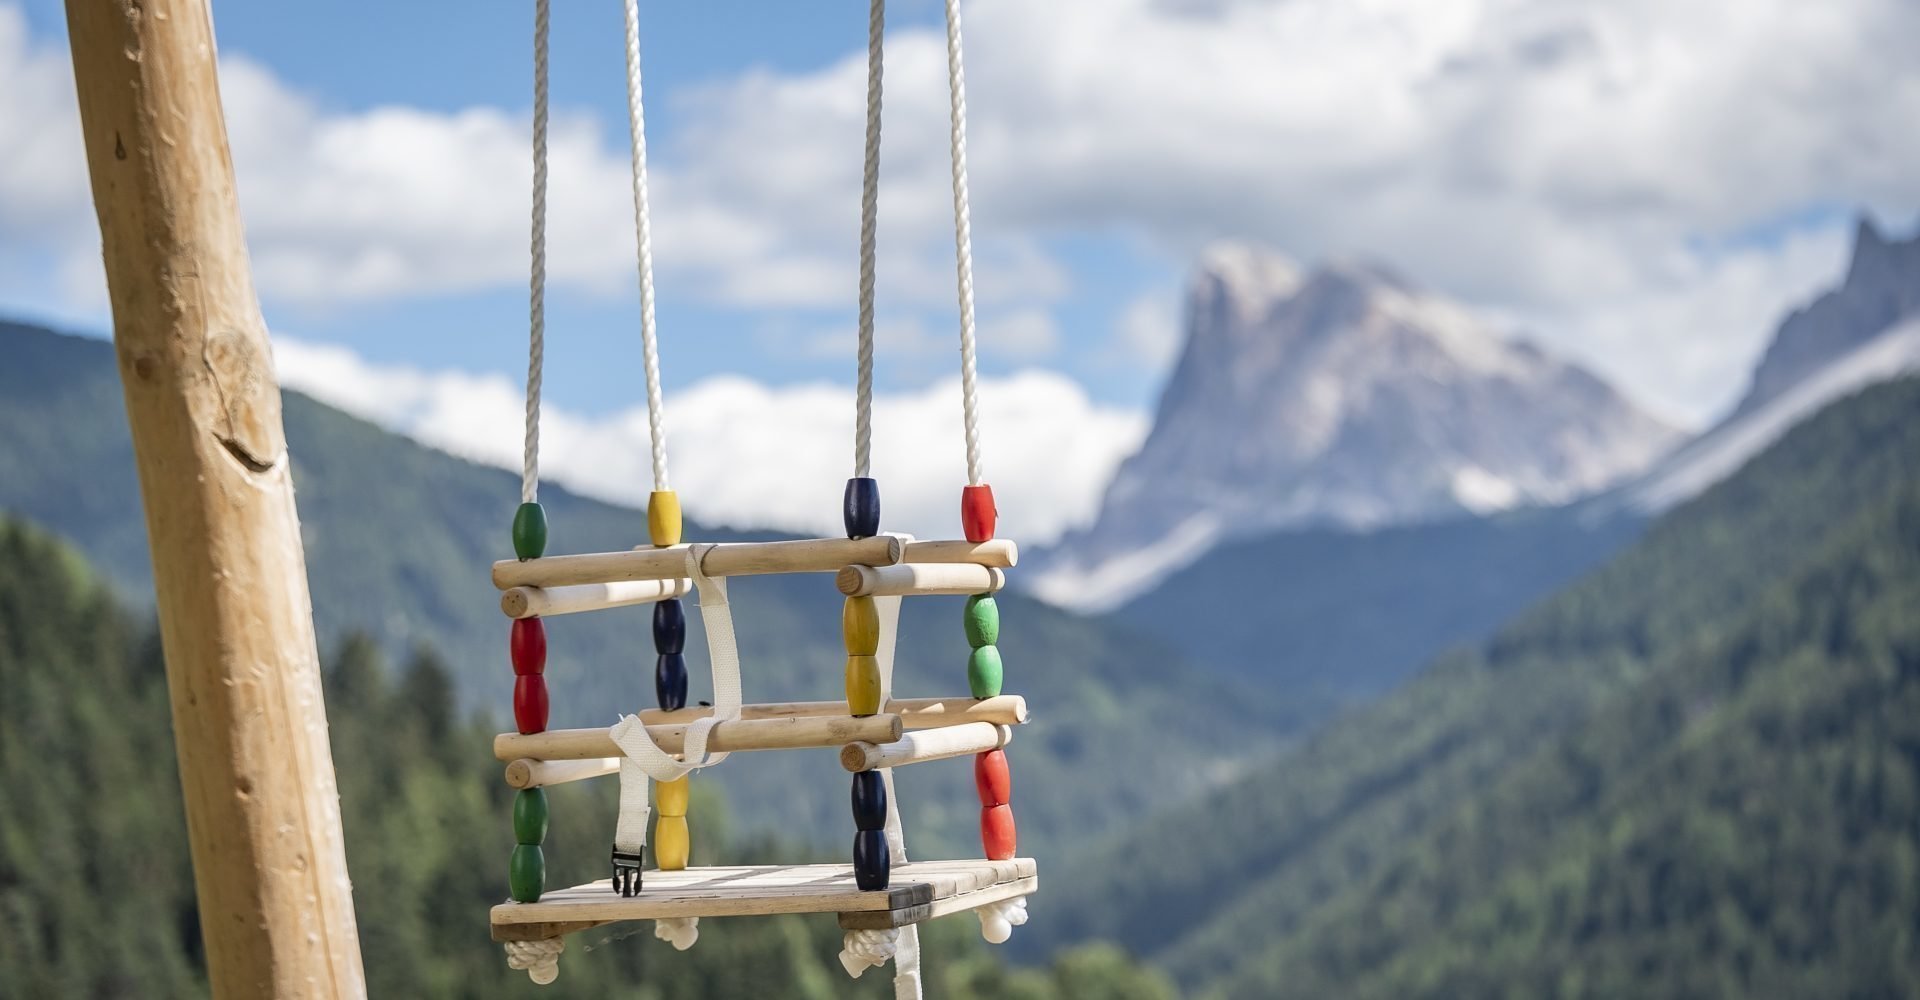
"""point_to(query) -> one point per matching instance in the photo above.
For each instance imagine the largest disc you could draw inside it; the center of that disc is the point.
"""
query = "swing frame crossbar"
(729, 559)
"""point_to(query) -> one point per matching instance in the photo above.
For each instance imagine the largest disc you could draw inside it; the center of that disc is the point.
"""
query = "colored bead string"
(527, 643)
(990, 774)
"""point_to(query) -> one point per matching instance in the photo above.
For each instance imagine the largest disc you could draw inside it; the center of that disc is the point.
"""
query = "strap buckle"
(626, 872)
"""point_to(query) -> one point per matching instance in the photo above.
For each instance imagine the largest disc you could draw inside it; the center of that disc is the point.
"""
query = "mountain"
(1343, 397)
(1882, 287)
(1864, 331)
(94, 868)
(1335, 616)
(399, 539)
(1696, 772)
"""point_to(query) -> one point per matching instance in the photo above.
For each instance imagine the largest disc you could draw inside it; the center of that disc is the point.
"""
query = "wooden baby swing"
(881, 896)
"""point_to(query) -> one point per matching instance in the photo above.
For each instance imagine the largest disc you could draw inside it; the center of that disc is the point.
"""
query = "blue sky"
(358, 57)
(1642, 186)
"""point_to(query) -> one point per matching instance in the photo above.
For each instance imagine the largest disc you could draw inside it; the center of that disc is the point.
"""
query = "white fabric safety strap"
(643, 758)
(906, 956)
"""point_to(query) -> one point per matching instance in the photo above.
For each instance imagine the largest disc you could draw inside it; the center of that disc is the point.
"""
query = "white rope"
(643, 237)
(540, 959)
(681, 932)
(997, 920)
(869, 224)
(963, 238)
(868, 949)
(537, 278)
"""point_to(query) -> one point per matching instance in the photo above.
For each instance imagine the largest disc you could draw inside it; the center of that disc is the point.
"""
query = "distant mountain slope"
(400, 537)
(1344, 397)
(1343, 615)
(1864, 331)
(1496, 792)
(1881, 287)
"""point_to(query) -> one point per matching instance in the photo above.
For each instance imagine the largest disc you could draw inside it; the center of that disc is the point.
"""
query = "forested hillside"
(98, 895)
(399, 539)
(1694, 773)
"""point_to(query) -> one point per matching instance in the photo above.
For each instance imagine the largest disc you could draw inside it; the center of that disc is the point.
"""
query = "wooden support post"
(230, 582)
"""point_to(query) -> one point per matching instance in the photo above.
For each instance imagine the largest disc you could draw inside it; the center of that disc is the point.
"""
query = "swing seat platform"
(919, 891)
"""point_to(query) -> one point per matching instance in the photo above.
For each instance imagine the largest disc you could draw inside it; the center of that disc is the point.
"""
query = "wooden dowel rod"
(807, 555)
(1001, 553)
(914, 713)
(740, 734)
(925, 745)
(919, 578)
(529, 773)
(545, 602)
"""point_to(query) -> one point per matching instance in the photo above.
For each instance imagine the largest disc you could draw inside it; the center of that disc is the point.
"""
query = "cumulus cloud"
(751, 455)
(1616, 175)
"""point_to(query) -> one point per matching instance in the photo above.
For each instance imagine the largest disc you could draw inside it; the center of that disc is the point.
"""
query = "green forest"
(1691, 771)
(97, 892)
(1695, 773)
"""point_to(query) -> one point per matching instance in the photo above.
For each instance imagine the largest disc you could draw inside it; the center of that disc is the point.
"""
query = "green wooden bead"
(527, 874)
(529, 531)
(983, 672)
(530, 816)
(982, 621)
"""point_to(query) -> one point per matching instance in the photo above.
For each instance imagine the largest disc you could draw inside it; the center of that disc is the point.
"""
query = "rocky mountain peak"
(1882, 287)
(1341, 395)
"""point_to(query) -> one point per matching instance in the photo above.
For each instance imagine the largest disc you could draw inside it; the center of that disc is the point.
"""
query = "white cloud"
(1598, 169)
(749, 455)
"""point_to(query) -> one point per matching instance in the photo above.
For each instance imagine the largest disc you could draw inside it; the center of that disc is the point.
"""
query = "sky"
(1643, 186)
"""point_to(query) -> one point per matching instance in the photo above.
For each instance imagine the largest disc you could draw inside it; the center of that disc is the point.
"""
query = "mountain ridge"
(1863, 330)
(1343, 396)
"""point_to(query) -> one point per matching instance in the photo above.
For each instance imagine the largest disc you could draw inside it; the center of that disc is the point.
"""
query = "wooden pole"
(908, 579)
(793, 733)
(230, 582)
(914, 713)
(924, 745)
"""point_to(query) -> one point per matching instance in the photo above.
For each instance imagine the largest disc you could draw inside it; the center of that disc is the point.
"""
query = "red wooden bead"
(977, 512)
(530, 703)
(996, 832)
(991, 778)
(528, 645)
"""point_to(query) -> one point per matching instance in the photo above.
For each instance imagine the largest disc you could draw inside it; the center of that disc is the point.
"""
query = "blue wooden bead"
(861, 507)
(670, 681)
(870, 860)
(669, 627)
(869, 801)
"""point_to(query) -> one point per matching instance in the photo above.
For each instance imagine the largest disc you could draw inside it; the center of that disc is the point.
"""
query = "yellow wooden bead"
(670, 843)
(863, 685)
(860, 622)
(663, 517)
(670, 797)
